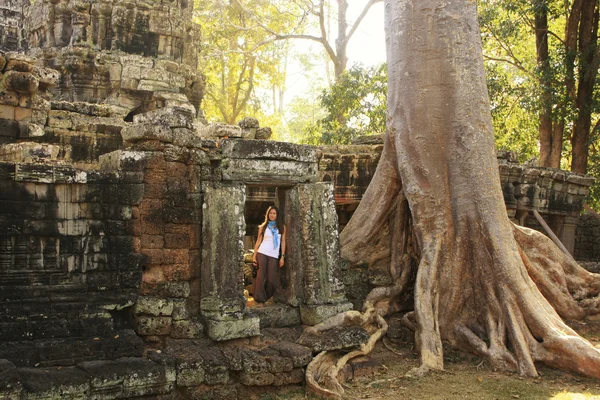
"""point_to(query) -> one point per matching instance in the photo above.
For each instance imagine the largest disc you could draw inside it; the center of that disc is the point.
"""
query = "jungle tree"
(434, 215)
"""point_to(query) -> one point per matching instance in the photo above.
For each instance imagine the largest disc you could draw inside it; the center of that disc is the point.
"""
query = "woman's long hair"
(278, 220)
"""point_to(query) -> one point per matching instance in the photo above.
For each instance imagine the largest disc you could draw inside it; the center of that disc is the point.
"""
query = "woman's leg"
(272, 276)
(259, 281)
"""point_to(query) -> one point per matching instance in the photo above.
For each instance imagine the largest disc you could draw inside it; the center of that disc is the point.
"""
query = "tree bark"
(549, 142)
(588, 69)
(479, 282)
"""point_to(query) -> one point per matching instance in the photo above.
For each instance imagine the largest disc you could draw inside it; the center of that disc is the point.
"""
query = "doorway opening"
(258, 199)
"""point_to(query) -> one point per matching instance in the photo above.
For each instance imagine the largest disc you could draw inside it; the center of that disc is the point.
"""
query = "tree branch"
(360, 18)
(513, 63)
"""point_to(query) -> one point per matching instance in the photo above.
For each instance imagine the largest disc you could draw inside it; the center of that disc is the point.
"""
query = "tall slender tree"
(563, 77)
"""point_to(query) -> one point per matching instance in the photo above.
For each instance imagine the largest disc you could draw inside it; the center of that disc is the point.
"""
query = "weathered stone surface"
(28, 152)
(273, 171)
(300, 355)
(226, 330)
(313, 314)
(216, 130)
(122, 160)
(249, 126)
(222, 288)
(129, 377)
(21, 82)
(263, 133)
(186, 329)
(153, 306)
(172, 117)
(268, 150)
(147, 131)
(278, 315)
(190, 373)
(335, 339)
(53, 383)
(157, 326)
(258, 379)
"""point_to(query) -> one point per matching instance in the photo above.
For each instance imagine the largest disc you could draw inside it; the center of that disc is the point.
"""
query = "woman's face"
(272, 214)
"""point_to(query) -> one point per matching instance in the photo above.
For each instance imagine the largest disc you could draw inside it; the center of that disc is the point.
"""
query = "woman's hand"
(254, 258)
(281, 260)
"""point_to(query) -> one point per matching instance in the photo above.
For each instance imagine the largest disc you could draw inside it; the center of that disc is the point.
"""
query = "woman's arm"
(259, 240)
(282, 259)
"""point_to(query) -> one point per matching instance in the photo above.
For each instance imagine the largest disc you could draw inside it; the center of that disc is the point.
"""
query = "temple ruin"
(125, 218)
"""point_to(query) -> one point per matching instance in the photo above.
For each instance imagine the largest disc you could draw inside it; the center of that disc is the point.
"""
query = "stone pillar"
(222, 300)
(567, 233)
(317, 228)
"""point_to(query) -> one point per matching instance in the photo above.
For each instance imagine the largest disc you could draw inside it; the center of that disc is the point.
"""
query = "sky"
(367, 46)
(368, 43)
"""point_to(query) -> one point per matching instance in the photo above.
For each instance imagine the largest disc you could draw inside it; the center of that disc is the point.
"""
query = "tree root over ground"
(322, 372)
(433, 216)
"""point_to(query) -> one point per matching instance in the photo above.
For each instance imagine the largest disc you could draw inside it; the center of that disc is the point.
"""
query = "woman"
(271, 238)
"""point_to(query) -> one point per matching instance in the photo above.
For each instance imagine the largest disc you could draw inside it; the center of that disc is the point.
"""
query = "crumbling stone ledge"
(188, 370)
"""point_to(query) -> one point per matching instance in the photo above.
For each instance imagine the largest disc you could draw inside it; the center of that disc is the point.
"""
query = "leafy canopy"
(355, 105)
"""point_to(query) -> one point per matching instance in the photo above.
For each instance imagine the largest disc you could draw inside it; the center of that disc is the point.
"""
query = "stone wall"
(12, 35)
(69, 272)
(137, 55)
(587, 240)
(175, 201)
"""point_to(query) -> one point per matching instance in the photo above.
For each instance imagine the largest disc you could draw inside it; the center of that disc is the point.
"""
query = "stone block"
(263, 133)
(262, 149)
(180, 311)
(152, 242)
(338, 338)
(158, 326)
(300, 355)
(11, 387)
(52, 383)
(7, 112)
(226, 330)
(47, 77)
(21, 82)
(278, 316)
(171, 117)
(177, 272)
(153, 306)
(176, 241)
(314, 314)
(129, 377)
(22, 114)
(190, 373)
(122, 160)
(217, 130)
(176, 256)
(146, 132)
(271, 171)
(259, 379)
(293, 377)
(167, 289)
(9, 98)
(186, 330)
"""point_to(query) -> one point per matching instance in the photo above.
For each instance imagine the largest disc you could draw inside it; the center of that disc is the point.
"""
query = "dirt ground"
(381, 376)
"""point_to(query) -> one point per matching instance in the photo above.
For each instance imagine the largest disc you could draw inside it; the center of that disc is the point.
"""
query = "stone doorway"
(258, 200)
(284, 174)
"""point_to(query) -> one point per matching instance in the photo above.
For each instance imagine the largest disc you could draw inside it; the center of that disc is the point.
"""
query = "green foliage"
(355, 106)
(593, 199)
(238, 55)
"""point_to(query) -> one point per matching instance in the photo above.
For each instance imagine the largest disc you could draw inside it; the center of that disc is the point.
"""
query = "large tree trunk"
(482, 284)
